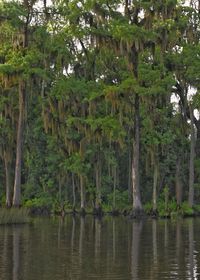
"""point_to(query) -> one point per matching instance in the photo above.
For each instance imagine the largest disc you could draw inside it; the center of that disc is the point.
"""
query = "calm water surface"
(113, 248)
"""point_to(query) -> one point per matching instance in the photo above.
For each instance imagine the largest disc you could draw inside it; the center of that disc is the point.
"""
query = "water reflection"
(81, 238)
(112, 248)
(97, 246)
(154, 237)
(5, 252)
(178, 246)
(166, 233)
(192, 254)
(16, 254)
(114, 239)
(73, 235)
(136, 234)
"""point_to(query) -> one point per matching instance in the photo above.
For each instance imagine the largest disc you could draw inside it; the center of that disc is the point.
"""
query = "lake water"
(113, 248)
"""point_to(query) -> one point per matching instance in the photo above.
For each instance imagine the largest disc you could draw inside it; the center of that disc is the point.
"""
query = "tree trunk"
(197, 145)
(8, 189)
(98, 183)
(155, 183)
(179, 187)
(60, 188)
(129, 175)
(17, 182)
(114, 186)
(74, 192)
(137, 205)
(82, 193)
(192, 156)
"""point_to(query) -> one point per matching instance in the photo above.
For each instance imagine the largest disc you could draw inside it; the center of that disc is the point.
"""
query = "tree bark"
(74, 191)
(17, 182)
(192, 157)
(137, 205)
(8, 189)
(82, 193)
(114, 186)
(98, 183)
(60, 188)
(155, 183)
(179, 186)
(197, 145)
(129, 175)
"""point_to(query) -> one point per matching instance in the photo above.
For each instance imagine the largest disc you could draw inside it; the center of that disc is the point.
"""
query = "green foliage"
(83, 64)
(123, 30)
(121, 201)
(44, 201)
(197, 208)
(172, 209)
(186, 210)
(58, 206)
(148, 208)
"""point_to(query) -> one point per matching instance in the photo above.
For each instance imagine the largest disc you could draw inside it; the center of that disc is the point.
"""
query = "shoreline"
(115, 213)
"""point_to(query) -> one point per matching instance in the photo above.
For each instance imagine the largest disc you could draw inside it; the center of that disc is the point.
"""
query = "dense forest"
(100, 104)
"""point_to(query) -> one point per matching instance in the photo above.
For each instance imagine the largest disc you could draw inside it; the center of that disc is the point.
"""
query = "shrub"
(39, 202)
(121, 200)
(148, 208)
(186, 210)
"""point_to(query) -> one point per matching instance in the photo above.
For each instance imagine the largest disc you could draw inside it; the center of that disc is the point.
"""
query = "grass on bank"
(14, 216)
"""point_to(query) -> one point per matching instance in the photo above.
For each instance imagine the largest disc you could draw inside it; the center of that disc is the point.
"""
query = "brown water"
(113, 248)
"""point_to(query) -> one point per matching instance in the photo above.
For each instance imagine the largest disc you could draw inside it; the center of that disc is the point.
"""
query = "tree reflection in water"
(16, 253)
(111, 248)
(192, 255)
(136, 234)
